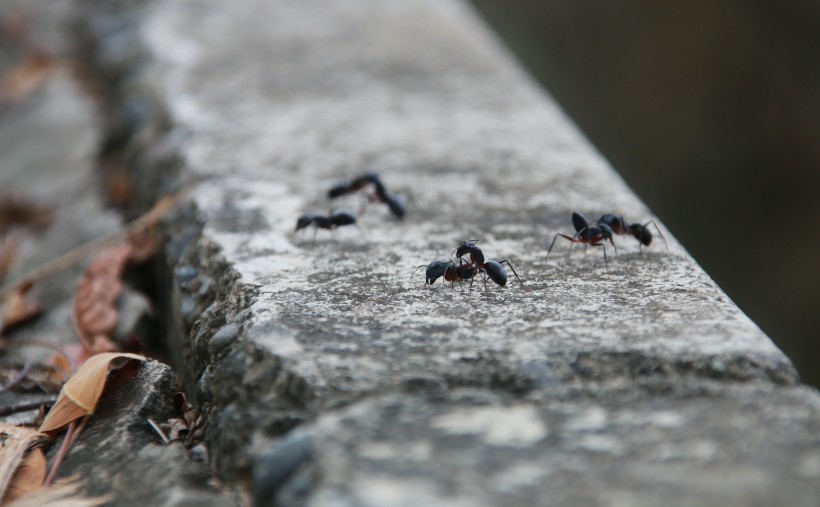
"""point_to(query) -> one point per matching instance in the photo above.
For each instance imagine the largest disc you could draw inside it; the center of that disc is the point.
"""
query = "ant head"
(641, 233)
(370, 176)
(304, 221)
(464, 248)
(606, 231)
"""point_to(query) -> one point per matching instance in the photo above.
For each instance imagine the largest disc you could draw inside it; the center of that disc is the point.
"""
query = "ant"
(640, 231)
(448, 270)
(393, 201)
(588, 235)
(336, 219)
(492, 268)
(355, 184)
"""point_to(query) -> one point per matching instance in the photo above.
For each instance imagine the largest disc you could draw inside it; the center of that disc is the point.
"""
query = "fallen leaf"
(17, 441)
(95, 304)
(8, 252)
(71, 357)
(17, 306)
(20, 211)
(65, 493)
(81, 394)
(143, 245)
(29, 476)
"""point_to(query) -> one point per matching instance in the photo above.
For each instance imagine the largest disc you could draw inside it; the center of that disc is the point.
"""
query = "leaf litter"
(95, 316)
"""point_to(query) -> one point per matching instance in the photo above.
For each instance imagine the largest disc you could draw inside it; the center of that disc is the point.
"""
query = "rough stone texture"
(121, 457)
(626, 386)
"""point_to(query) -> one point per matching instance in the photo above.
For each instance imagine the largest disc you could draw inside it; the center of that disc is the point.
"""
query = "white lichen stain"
(521, 475)
(697, 450)
(594, 442)
(517, 426)
(591, 419)
(392, 451)
(381, 490)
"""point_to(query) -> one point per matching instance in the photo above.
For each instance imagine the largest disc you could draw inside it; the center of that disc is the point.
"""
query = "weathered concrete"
(618, 387)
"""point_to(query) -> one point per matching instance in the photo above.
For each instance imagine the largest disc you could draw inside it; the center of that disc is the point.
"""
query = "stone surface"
(618, 446)
(119, 455)
(619, 386)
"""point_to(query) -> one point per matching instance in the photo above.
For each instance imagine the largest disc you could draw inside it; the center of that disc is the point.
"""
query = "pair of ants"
(341, 218)
(603, 229)
(490, 269)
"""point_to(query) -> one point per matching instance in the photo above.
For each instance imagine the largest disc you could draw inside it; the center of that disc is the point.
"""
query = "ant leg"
(414, 271)
(571, 240)
(606, 262)
(659, 233)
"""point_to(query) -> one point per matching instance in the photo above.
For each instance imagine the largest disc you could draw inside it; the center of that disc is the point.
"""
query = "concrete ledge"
(260, 107)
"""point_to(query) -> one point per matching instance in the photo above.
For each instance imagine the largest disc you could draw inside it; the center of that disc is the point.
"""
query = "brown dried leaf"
(19, 211)
(8, 252)
(16, 442)
(81, 394)
(119, 187)
(143, 246)
(17, 306)
(29, 476)
(27, 78)
(95, 304)
(60, 494)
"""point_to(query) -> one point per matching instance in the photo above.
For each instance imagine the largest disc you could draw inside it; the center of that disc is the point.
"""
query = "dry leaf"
(20, 211)
(95, 305)
(81, 394)
(64, 493)
(28, 77)
(16, 442)
(17, 306)
(143, 245)
(8, 252)
(29, 476)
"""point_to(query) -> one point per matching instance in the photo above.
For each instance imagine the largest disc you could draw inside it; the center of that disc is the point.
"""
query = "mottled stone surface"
(588, 386)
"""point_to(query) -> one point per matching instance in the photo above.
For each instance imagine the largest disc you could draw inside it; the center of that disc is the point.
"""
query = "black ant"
(393, 201)
(355, 184)
(588, 235)
(336, 219)
(639, 231)
(448, 270)
(493, 268)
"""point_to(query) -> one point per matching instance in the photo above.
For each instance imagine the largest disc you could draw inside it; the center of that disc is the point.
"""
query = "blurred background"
(711, 112)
